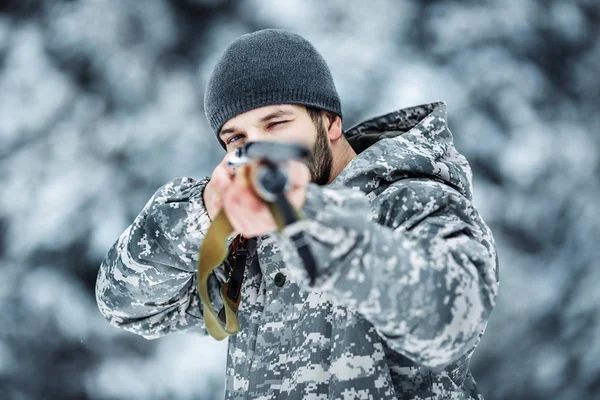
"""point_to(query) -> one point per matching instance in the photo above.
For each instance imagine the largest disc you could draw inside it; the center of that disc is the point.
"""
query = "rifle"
(271, 182)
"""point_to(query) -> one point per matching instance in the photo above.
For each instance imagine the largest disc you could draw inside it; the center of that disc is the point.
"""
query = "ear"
(334, 129)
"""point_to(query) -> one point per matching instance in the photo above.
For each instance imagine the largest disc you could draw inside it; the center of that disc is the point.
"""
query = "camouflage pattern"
(407, 275)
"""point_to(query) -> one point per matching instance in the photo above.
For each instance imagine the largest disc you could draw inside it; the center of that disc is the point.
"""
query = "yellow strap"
(212, 254)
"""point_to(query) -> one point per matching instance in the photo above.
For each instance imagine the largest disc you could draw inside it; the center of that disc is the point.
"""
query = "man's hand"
(247, 212)
(220, 180)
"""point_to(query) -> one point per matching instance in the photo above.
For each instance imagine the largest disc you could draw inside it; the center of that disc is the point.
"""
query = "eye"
(230, 140)
(277, 123)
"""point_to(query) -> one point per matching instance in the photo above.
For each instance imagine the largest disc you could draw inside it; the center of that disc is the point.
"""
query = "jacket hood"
(406, 143)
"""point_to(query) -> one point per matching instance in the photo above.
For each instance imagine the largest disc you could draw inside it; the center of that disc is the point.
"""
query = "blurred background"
(101, 104)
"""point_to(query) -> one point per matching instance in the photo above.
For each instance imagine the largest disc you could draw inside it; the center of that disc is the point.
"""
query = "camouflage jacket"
(407, 275)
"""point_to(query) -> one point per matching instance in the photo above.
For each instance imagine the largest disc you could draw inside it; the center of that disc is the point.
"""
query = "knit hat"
(266, 67)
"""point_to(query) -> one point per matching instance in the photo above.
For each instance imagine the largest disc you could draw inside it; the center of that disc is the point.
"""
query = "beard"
(320, 159)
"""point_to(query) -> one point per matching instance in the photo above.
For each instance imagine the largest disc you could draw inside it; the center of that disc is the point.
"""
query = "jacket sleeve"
(421, 267)
(147, 281)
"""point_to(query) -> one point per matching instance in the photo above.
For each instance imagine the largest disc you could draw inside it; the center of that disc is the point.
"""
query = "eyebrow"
(273, 115)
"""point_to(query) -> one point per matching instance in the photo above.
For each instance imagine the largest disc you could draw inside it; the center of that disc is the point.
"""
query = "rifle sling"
(212, 254)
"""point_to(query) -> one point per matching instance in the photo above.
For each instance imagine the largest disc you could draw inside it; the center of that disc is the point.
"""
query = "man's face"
(286, 123)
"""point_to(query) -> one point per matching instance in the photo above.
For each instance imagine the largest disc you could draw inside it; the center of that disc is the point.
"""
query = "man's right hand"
(219, 182)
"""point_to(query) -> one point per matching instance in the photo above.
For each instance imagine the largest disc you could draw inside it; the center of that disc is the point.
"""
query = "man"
(407, 271)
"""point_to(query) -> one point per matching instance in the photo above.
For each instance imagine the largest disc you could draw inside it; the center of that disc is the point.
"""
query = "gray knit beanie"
(270, 66)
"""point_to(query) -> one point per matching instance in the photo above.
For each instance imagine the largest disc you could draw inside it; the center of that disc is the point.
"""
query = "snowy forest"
(101, 104)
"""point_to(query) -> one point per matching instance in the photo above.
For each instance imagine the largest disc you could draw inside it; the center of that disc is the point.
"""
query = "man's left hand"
(247, 212)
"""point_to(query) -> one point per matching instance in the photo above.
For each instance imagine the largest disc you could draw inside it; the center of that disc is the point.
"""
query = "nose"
(258, 136)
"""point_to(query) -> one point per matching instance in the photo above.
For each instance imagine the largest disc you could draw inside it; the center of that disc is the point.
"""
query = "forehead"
(257, 114)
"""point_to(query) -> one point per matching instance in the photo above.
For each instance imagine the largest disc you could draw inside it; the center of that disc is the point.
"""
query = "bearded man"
(406, 269)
